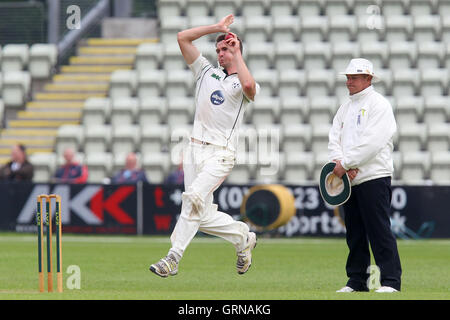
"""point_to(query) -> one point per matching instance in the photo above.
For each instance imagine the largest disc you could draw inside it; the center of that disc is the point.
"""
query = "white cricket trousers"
(205, 168)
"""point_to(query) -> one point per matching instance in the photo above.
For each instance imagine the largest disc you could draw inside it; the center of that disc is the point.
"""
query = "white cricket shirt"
(219, 104)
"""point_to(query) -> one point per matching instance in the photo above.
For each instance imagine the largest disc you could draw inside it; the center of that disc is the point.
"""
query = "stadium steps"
(61, 100)
(93, 69)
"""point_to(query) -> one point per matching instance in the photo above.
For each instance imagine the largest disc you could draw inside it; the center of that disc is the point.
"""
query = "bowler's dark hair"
(222, 37)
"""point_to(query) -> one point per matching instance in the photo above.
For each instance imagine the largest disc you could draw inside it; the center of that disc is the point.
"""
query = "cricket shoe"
(385, 289)
(244, 260)
(345, 289)
(165, 267)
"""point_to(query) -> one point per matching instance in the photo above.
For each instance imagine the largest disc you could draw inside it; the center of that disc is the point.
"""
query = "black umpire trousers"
(367, 221)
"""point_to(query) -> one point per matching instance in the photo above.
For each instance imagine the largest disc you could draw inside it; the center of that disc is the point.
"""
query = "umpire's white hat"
(334, 190)
(360, 66)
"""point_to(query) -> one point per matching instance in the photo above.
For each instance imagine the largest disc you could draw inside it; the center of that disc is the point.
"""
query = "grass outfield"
(116, 267)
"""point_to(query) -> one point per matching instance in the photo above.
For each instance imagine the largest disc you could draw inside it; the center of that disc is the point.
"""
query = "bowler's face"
(223, 54)
(358, 82)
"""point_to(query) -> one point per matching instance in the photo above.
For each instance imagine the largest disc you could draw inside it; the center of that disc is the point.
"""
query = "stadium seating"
(415, 167)
(169, 8)
(170, 26)
(434, 82)
(268, 81)
(437, 109)
(402, 55)
(319, 83)
(16, 88)
(156, 166)
(154, 138)
(314, 29)
(438, 137)
(96, 111)
(150, 83)
(266, 110)
(252, 8)
(197, 8)
(317, 56)
(222, 8)
(320, 158)
(97, 138)
(291, 83)
(409, 110)
(15, 57)
(99, 166)
(124, 110)
(322, 109)
(336, 7)
(319, 138)
(281, 8)
(125, 139)
(298, 167)
(149, 56)
(343, 28)
(69, 136)
(342, 53)
(405, 82)
(440, 167)
(44, 166)
(179, 83)
(43, 58)
(445, 34)
(260, 55)
(123, 83)
(180, 111)
(398, 28)
(412, 137)
(427, 28)
(257, 29)
(307, 8)
(2, 108)
(422, 7)
(152, 111)
(296, 138)
(294, 110)
(285, 29)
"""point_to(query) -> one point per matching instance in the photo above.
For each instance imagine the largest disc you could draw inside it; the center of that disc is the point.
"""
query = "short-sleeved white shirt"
(220, 103)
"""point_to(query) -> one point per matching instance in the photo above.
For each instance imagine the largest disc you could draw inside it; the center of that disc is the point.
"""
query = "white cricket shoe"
(345, 289)
(244, 260)
(384, 289)
(165, 267)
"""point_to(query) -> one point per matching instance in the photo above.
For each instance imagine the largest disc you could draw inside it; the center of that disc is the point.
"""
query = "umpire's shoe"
(244, 260)
(165, 267)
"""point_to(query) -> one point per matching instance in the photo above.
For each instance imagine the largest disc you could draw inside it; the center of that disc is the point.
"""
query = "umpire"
(361, 144)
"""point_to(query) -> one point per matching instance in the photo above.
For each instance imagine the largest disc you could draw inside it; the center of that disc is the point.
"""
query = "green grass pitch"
(116, 267)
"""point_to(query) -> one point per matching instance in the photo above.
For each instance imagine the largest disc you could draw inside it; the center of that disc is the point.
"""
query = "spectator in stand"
(131, 173)
(176, 176)
(71, 171)
(18, 169)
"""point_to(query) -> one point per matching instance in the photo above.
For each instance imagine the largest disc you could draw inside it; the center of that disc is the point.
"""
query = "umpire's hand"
(340, 171)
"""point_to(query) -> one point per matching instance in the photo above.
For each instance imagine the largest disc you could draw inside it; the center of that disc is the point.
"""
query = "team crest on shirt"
(217, 97)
